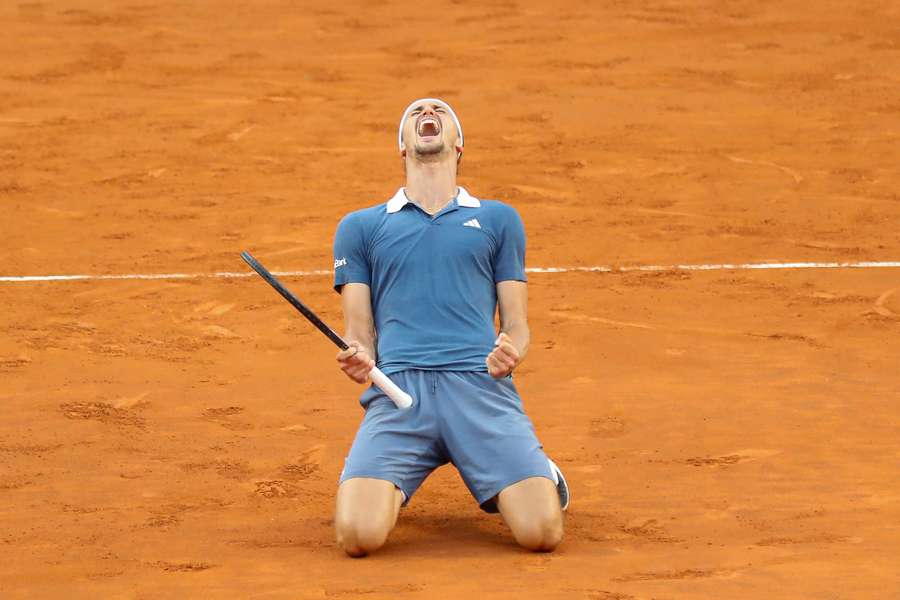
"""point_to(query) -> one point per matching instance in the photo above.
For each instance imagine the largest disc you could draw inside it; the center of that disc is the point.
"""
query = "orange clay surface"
(727, 434)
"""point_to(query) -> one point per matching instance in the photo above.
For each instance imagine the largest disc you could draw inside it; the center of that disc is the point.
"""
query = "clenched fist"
(503, 358)
(355, 362)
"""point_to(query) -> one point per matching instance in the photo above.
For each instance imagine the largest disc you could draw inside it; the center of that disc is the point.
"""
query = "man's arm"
(359, 328)
(512, 344)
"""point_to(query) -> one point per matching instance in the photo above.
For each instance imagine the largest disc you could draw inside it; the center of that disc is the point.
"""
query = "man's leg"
(531, 509)
(492, 442)
(393, 450)
(366, 512)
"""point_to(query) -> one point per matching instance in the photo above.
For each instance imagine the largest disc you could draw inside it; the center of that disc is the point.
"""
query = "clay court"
(728, 433)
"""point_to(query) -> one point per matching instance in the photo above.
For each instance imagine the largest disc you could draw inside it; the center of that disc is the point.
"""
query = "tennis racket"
(393, 391)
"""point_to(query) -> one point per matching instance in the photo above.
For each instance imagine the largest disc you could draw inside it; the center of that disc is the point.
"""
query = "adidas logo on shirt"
(473, 223)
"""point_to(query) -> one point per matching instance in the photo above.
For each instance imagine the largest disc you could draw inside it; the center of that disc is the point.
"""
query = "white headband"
(433, 101)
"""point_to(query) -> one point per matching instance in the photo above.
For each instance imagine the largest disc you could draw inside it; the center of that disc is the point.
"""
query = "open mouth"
(428, 126)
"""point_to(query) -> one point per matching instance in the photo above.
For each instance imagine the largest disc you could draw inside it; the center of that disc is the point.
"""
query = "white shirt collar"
(463, 198)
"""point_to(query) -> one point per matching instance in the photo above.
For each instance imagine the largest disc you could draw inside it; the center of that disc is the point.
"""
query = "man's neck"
(431, 185)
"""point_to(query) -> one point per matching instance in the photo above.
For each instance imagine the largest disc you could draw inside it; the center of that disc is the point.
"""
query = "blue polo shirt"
(433, 279)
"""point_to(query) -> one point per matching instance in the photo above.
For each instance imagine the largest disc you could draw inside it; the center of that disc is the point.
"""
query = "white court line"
(600, 269)
(216, 275)
(723, 267)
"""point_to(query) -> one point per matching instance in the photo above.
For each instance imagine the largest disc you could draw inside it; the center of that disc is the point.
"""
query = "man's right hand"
(355, 362)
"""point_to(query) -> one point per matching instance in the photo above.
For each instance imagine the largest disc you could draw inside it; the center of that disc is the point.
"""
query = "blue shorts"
(467, 418)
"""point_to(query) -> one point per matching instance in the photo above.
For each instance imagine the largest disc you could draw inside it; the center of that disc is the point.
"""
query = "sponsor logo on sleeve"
(340, 262)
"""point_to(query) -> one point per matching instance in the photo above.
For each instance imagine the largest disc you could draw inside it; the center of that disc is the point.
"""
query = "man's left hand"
(503, 358)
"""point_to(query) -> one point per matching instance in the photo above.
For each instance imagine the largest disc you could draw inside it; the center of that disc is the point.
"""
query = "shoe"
(562, 487)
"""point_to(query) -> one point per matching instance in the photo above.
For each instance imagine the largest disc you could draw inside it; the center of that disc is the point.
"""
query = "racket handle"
(400, 398)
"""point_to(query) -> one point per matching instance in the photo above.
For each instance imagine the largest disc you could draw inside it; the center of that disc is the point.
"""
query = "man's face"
(429, 130)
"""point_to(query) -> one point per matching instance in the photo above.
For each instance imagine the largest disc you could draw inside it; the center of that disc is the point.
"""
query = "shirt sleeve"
(351, 257)
(509, 257)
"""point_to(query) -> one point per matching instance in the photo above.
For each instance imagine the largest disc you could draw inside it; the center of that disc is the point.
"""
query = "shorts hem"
(407, 494)
(489, 505)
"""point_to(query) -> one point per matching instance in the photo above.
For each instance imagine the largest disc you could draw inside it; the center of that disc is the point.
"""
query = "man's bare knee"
(541, 535)
(361, 539)
(366, 513)
(532, 511)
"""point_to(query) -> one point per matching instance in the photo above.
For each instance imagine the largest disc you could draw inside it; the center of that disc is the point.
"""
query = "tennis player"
(421, 277)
